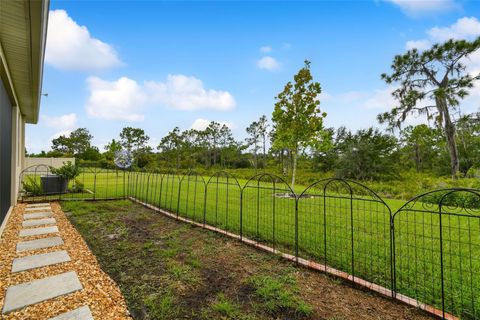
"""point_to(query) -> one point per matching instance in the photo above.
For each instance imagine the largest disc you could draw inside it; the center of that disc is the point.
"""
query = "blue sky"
(156, 65)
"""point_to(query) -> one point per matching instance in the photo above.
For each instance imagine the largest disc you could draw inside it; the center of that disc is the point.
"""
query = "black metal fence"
(425, 252)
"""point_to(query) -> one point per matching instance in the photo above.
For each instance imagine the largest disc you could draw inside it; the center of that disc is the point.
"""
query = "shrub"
(32, 187)
(68, 171)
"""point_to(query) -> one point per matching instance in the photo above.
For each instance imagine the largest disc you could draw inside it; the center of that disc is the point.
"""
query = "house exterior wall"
(5, 152)
(18, 151)
(51, 162)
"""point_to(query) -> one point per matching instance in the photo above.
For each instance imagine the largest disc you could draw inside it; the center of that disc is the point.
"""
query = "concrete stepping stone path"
(25, 294)
(39, 260)
(38, 209)
(38, 222)
(42, 204)
(28, 216)
(82, 313)
(39, 205)
(39, 244)
(38, 231)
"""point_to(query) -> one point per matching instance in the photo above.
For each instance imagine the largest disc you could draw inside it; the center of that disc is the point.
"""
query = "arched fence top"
(456, 201)
(356, 189)
(36, 168)
(192, 173)
(225, 175)
(269, 178)
(172, 173)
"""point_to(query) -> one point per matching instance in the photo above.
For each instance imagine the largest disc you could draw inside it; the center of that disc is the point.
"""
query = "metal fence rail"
(427, 253)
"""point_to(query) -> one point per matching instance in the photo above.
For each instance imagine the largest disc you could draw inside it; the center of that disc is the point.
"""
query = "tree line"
(430, 83)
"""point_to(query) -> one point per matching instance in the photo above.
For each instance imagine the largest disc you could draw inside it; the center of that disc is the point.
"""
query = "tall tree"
(110, 149)
(253, 140)
(263, 131)
(367, 154)
(227, 144)
(213, 136)
(437, 77)
(421, 145)
(76, 143)
(297, 118)
(468, 138)
(134, 139)
(172, 146)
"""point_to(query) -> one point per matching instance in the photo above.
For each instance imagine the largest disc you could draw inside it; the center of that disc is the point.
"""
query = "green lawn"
(330, 224)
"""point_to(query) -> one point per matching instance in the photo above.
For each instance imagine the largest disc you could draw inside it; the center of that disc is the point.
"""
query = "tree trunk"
(294, 169)
(417, 158)
(264, 154)
(449, 128)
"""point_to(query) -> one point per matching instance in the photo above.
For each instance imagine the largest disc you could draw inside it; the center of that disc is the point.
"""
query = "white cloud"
(202, 124)
(124, 99)
(380, 99)
(60, 133)
(422, 7)
(188, 93)
(63, 122)
(71, 47)
(377, 99)
(115, 100)
(268, 63)
(266, 49)
(418, 44)
(465, 28)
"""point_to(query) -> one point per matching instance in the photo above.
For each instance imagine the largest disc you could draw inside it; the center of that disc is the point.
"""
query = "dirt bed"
(170, 270)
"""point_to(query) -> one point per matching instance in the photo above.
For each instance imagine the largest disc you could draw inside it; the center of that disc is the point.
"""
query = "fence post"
(352, 231)
(95, 184)
(160, 192)
(124, 187)
(441, 255)
(241, 213)
(178, 198)
(325, 223)
(273, 215)
(393, 272)
(296, 227)
(205, 206)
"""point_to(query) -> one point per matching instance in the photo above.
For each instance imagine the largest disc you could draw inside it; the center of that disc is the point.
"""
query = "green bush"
(32, 187)
(68, 171)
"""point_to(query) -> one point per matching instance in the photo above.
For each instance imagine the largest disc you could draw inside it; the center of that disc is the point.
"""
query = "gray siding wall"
(5, 152)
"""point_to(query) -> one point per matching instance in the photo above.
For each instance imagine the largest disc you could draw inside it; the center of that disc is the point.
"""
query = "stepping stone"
(39, 244)
(39, 260)
(38, 222)
(37, 215)
(25, 294)
(32, 205)
(38, 209)
(82, 313)
(38, 231)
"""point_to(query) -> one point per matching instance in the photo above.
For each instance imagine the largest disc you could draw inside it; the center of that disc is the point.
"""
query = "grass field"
(345, 226)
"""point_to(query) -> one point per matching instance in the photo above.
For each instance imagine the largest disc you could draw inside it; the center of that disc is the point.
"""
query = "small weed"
(161, 306)
(279, 294)
(225, 307)
(181, 272)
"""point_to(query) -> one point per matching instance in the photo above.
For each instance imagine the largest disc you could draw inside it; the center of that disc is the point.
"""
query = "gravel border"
(99, 292)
